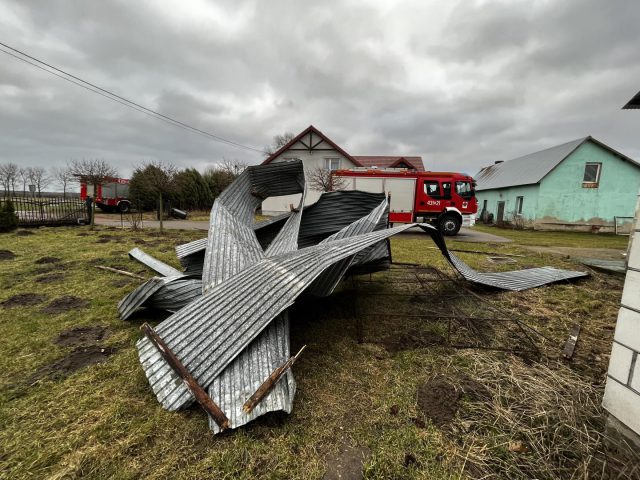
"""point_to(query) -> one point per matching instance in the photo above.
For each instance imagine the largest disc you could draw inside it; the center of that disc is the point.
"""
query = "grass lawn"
(558, 239)
(103, 421)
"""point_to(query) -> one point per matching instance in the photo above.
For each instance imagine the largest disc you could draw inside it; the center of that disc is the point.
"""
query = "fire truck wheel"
(123, 207)
(450, 224)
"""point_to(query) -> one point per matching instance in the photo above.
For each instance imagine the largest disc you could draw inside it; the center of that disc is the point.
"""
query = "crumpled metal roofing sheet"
(515, 280)
(213, 330)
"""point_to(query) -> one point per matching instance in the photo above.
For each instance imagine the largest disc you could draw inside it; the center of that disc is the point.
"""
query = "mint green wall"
(562, 199)
(508, 195)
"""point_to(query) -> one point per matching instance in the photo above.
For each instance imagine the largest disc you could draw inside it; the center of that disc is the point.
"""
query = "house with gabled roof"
(318, 151)
(579, 185)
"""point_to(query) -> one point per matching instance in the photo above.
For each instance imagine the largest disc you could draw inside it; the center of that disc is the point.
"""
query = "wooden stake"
(121, 272)
(570, 346)
(202, 398)
(269, 383)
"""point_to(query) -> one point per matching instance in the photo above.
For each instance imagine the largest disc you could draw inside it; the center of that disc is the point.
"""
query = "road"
(465, 235)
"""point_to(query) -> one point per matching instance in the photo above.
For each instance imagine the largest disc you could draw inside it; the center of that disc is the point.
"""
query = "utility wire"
(117, 98)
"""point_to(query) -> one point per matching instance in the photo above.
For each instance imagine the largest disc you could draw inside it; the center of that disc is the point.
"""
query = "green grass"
(558, 239)
(104, 422)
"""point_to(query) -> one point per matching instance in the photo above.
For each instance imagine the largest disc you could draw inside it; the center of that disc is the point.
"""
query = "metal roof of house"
(634, 103)
(531, 169)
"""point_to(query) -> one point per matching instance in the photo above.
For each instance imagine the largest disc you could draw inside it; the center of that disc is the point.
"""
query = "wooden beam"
(269, 383)
(176, 365)
(570, 346)
(121, 272)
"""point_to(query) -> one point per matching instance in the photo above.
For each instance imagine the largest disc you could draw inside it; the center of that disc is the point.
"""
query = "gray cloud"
(460, 83)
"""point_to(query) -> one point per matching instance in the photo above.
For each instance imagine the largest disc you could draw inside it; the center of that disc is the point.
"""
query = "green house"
(580, 185)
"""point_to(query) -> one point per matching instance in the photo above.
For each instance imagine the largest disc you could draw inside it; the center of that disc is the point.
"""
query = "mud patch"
(120, 283)
(82, 336)
(52, 278)
(24, 233)
(64, 304)
(23, 300)
(52, 267)
(7, 255)
(410, 340)
(46, 260)
(74, 361)
(347, 465)
(473, 390)
(83, 234)
(439, 400)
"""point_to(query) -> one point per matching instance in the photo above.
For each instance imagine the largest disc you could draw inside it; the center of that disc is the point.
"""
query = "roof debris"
(229, 333)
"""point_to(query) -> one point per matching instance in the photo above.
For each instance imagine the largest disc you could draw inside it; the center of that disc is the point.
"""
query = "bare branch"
(323, 180)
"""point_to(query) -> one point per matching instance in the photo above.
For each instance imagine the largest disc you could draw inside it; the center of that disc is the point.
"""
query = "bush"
(8, 217)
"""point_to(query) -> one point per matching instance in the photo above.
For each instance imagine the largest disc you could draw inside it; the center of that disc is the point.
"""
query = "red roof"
(358, 161)
(382, 161)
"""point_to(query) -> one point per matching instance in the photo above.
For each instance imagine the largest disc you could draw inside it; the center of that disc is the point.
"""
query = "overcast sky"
(461, 83)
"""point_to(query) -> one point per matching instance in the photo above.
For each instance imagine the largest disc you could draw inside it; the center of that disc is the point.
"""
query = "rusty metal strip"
(270, 382)
(176, 365)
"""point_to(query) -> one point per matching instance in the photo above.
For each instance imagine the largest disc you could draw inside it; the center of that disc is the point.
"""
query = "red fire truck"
(445, 199)
(111, 195)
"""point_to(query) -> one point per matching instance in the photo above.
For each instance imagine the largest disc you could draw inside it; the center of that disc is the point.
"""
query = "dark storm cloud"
(462, 84)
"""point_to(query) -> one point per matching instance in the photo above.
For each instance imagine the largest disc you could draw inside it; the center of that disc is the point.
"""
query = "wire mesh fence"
(40, 211)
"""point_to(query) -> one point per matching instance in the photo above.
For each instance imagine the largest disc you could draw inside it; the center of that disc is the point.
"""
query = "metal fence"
(37, 211)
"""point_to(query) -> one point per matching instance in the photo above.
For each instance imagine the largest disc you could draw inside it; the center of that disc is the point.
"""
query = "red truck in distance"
(111, 195)
(445, 199)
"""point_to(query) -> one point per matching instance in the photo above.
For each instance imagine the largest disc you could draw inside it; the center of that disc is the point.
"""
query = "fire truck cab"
(445, 199)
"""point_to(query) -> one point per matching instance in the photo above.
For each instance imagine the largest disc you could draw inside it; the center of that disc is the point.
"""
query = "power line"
(117, 98)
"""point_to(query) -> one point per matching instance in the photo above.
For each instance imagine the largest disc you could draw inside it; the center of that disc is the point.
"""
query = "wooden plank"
(202, 398)
(121, 272)
(269, 383)
(570, 345)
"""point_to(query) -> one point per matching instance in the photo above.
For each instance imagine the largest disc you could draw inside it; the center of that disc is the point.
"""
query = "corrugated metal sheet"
(526, 170)
(514, 280)
(214, 329)
(154, 264)
(236, 333)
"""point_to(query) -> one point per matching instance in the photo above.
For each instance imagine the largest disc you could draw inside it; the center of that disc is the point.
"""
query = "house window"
(332, 163)
(519, 201)
(591, 175)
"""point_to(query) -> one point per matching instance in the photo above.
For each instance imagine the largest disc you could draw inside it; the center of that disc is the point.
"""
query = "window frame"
(519, 202)
(329, 160)
(432, 182)
(592, 183)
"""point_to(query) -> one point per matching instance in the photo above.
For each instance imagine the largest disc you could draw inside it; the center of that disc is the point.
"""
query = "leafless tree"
(234, 167)
(39, 178)
(93, 172)
(23, 173)
(63, 177)
(278, 142)
(322, 179)
(8, 177)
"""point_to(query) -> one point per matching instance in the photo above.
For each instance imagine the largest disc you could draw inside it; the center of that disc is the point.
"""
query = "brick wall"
(622, 392)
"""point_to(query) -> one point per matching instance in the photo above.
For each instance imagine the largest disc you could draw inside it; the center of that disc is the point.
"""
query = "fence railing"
(48, 211)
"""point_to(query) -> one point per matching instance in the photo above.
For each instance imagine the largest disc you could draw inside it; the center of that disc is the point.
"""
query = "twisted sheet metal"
(231, 247)
(516, 280)
(213, 330)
